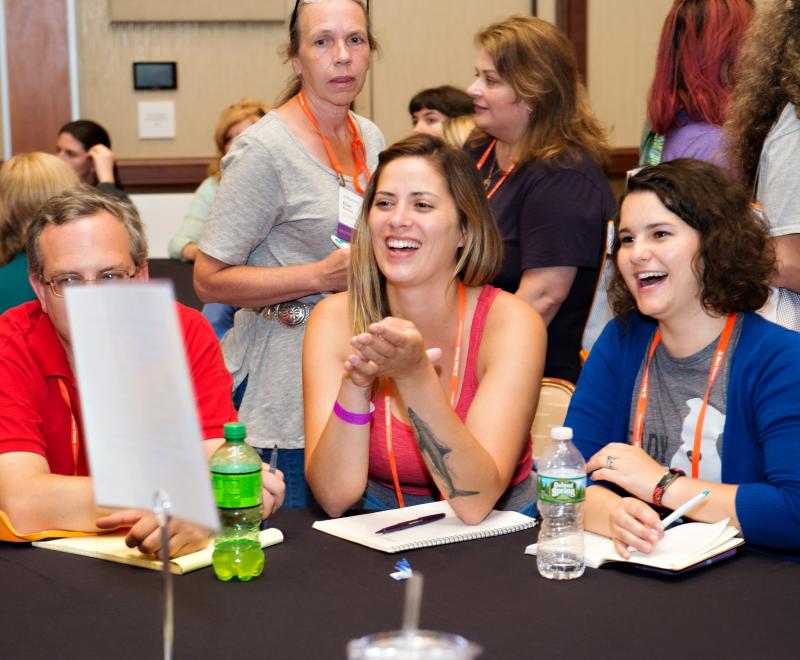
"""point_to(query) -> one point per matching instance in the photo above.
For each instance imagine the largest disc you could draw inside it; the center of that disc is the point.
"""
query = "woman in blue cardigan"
(688, 389)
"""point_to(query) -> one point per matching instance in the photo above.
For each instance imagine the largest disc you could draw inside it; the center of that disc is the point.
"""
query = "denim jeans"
(291, 463)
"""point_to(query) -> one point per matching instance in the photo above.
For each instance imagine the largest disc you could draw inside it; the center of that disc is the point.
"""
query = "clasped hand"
(632, 521)
(392, 348)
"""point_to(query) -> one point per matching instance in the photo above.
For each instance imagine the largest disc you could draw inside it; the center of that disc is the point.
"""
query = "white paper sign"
(156, 120)
(139, 414)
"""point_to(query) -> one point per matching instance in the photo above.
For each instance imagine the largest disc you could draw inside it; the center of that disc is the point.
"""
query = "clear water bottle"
(236, 477)
(561, 490)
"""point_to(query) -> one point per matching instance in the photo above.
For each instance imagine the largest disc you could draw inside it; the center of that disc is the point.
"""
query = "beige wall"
(424, 42)
(621, 51)
(218, 63)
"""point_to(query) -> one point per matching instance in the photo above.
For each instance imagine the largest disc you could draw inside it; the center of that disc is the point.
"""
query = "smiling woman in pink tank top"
(421, 381)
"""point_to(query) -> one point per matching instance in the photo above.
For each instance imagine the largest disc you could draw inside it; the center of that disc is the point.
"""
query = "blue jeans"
(292, 463)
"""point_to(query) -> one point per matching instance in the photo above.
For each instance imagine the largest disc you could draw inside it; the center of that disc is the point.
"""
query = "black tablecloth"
(318, 591)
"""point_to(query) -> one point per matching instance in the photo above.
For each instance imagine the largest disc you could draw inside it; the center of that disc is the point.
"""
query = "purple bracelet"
(351, 417)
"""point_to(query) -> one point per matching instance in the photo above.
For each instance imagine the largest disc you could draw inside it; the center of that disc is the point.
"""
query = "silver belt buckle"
(290, 313)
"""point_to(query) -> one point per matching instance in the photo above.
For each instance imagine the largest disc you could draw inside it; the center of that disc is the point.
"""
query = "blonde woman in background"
(233, 121)
(27, 181)
(456, 130)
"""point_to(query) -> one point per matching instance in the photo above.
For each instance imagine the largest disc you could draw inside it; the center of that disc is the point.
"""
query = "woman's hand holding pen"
(634, 524)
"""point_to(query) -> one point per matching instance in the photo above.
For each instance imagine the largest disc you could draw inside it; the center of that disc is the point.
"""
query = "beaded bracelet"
(666, 481)
(358, 419)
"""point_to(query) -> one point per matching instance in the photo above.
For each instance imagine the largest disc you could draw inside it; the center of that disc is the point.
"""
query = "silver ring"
(610, 462)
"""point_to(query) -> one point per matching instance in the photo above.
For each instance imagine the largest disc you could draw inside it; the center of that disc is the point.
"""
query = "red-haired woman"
(695, 68)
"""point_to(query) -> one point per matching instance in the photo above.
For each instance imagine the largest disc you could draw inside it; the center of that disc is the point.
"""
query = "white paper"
(156, 120)
(139, 414)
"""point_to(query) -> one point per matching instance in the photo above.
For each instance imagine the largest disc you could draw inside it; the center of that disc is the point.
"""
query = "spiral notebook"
(450, 529)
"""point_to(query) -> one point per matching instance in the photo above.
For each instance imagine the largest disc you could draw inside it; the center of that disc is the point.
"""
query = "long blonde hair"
(537, 60)
(477, 262)
(27, 181)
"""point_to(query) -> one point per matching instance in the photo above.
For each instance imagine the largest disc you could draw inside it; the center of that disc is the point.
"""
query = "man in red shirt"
(79, 237)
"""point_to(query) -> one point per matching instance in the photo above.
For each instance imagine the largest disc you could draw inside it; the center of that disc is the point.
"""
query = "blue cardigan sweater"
(761, 449)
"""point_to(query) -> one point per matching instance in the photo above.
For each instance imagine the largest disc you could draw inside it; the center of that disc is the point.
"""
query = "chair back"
(600, 312)
(554, 398)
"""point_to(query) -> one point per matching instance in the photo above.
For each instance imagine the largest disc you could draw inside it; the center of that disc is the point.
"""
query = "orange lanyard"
(74, 427)
(462, 306)
(359, 151)
(505, 173)
(644, 392)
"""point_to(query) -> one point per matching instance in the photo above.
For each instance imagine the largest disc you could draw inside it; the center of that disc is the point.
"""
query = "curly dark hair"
(736, 259)
(768, 77)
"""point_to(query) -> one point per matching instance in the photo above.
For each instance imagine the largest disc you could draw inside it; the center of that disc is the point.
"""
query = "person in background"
(688, 390)
(419, 301)
(232, 122)
(540, 152)
(26, 182)
(431, 107)
(78, 237)
(763, 139)
(696, 69)
(456, 130)
(267, 247)
(86, 147)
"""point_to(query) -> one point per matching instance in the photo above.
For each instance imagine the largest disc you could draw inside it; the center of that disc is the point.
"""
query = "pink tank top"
(411, 470)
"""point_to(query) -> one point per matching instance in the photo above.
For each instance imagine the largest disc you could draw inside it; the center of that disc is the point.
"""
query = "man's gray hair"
(81, 202)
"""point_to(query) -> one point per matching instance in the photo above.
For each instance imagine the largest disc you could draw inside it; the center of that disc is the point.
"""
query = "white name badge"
(349, 210)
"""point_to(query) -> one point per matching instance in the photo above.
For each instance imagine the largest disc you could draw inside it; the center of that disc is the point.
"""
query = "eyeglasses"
(61, 282)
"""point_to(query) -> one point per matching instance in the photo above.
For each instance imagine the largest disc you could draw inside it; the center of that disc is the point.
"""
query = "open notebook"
(682, 547)
(112, 548)
(361, 529)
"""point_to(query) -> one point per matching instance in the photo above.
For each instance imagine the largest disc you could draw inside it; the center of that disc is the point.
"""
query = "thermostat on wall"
(155, 75)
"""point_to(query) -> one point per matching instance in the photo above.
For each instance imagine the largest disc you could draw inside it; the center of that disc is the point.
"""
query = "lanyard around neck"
(358, 149)
(74, 437)
(644, 392)
(486, 153)
(462, 306)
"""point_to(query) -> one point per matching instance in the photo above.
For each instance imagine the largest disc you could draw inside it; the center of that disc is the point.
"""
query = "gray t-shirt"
(778, 191)
(677, 388)
(277, 205)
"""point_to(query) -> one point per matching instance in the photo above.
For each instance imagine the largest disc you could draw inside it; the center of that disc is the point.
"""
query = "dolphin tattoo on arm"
(434, 453)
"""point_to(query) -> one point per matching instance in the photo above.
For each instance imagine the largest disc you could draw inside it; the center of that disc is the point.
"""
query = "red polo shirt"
(33, 414)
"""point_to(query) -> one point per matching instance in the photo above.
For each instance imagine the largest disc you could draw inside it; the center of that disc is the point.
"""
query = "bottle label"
(237, 491)
(561, 490)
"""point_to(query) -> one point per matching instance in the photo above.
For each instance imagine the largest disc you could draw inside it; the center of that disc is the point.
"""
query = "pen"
(683, 508)
(407, 524)
(273, 459)
(688, 506)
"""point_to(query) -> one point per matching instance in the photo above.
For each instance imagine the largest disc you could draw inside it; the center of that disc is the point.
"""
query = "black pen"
(424, 520)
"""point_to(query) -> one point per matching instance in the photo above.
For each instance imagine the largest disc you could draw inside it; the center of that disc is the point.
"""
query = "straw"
(412, 606)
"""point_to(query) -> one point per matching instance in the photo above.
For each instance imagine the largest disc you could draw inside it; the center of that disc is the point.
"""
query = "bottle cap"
(234, 431)
(561, 433)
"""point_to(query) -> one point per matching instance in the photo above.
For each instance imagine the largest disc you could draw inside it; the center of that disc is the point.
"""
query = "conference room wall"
(622, 38)
(424, 43)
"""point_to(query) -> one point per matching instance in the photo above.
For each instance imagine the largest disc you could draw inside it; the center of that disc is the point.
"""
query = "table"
(318, 591)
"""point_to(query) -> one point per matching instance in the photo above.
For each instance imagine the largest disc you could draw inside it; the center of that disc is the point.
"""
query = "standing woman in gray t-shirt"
(287, 183)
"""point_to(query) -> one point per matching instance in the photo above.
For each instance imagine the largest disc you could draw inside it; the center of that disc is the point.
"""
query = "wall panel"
(622, 42)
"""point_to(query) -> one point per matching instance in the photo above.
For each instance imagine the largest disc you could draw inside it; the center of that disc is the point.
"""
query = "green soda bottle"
(236, 477)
